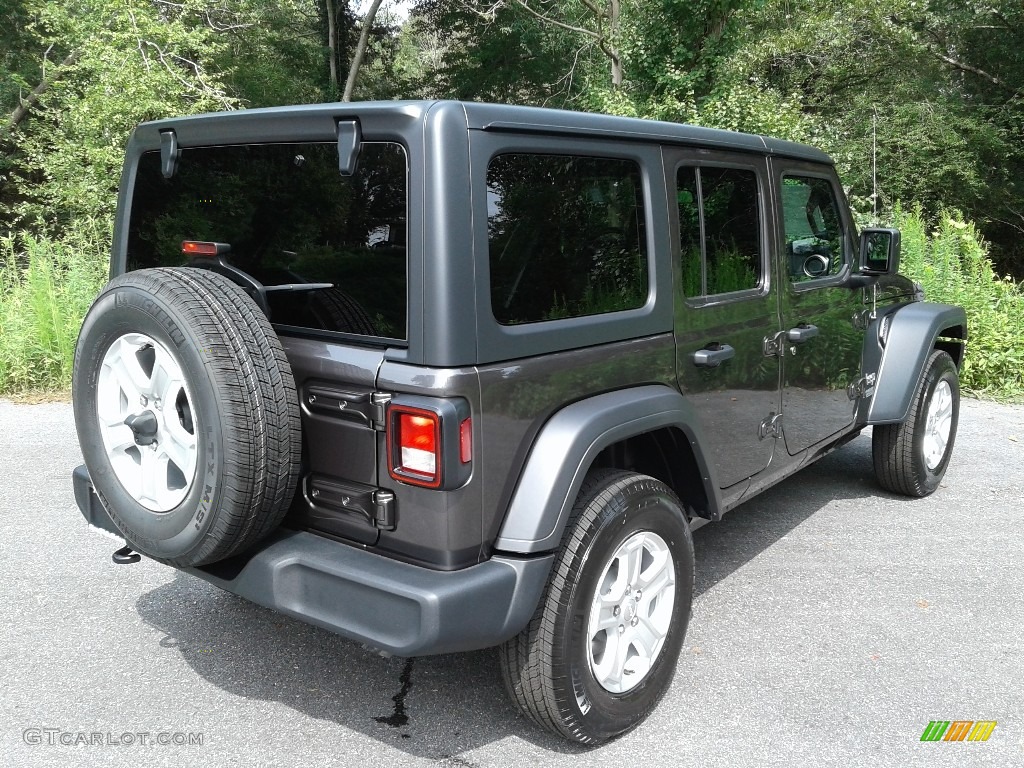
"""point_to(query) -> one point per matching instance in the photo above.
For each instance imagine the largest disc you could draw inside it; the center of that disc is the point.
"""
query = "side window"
(719, 230)
(566, 237)
(813, 228)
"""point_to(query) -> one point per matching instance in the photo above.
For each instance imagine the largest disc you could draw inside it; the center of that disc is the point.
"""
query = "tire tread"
(893, 449)
(528, 661)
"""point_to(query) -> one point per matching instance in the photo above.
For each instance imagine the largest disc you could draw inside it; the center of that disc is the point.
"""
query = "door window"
(719, 230)
(813, 228)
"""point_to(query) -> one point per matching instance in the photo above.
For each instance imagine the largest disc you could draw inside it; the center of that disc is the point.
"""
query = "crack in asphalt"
(398, 718)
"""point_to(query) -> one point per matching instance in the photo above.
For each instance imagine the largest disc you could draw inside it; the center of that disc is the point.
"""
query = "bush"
(46, 286)
(949, 258)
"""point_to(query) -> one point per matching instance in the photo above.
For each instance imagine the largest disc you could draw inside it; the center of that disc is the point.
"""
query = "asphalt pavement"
(832, 622)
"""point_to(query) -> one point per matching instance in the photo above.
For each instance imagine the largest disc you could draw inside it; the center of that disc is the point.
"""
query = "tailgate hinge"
(384, 510)
(379, 408)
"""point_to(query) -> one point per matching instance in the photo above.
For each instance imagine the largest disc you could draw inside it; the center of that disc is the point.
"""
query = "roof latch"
(349, 137)
(169, 153)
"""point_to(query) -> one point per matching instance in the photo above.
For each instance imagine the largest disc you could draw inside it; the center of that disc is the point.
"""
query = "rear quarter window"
(565, 237)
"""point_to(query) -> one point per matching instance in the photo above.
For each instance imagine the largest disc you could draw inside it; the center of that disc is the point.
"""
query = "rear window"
(334, 246)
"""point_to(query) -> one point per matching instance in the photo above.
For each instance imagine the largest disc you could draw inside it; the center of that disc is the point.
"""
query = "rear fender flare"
(566, 448)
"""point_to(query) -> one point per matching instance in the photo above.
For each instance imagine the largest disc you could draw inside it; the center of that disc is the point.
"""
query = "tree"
(360, 52)
(925, 90)
(508, 58)
(595, 23)
(122, 63)
(980, 47)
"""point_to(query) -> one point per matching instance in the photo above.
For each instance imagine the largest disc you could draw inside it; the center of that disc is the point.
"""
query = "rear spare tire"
(186, 413)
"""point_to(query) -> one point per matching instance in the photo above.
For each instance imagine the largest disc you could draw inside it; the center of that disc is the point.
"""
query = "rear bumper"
(400, 608)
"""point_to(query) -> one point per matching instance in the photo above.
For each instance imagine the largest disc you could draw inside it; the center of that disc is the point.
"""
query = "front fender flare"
(566, 448)
(912, 335)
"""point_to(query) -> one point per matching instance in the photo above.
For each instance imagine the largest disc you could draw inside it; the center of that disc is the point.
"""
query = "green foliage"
(46, 287)
(273, 52)
(949, 257)
(928, 91)
(133, 64)
(927, 88)
(464, 52)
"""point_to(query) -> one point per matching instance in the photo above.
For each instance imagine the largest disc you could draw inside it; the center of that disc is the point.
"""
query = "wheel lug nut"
(639, 594)
(616, 611)
(143, 401)
(635, 621)
(621, 629)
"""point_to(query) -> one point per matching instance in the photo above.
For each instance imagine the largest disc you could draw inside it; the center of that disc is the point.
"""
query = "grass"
(949, 258)
(46, 287)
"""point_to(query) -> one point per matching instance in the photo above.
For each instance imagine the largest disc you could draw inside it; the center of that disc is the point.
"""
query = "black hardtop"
(313, 122)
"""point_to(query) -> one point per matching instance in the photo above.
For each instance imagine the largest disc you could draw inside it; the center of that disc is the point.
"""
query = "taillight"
(430, 441)
(415, 446)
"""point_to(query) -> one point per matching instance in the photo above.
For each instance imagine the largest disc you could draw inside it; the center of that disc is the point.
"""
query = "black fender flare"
(566, 447)
(912, 334)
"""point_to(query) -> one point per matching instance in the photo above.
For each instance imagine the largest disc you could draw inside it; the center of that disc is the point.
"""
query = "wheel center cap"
(629, 610)
(144, 427)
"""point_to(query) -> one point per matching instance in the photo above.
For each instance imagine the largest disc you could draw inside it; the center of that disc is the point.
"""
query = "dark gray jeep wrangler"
(441, 376)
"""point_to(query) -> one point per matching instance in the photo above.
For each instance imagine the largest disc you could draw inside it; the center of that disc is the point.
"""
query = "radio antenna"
(874, 163)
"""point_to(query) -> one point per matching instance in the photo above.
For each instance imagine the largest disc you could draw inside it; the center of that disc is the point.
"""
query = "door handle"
(801, 333)
(713, 355)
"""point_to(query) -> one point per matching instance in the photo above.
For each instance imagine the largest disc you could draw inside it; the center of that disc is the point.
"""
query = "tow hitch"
(125, 555)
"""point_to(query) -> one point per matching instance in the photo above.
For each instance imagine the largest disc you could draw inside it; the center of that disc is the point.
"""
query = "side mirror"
(879, 251)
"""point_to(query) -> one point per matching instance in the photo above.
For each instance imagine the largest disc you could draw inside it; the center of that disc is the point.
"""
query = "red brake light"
(417, 433)
(415, 456)
(429, 441)
(200, 248)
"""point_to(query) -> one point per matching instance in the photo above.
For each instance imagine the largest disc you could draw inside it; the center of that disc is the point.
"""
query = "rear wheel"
(601, 650)
(911, 458)
(187, 414)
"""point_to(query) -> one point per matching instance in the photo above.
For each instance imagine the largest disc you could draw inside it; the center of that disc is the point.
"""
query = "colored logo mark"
(958, 730)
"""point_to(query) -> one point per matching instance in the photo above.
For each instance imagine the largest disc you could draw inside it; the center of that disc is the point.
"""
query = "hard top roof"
(246, 123)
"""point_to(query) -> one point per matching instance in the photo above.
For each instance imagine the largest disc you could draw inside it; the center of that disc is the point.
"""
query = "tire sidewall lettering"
(209, 481)
(126, 309)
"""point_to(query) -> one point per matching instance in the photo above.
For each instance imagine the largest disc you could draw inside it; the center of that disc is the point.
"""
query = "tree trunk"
(332, 43)
(357, 57)
(25, 106)
(613, 48)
